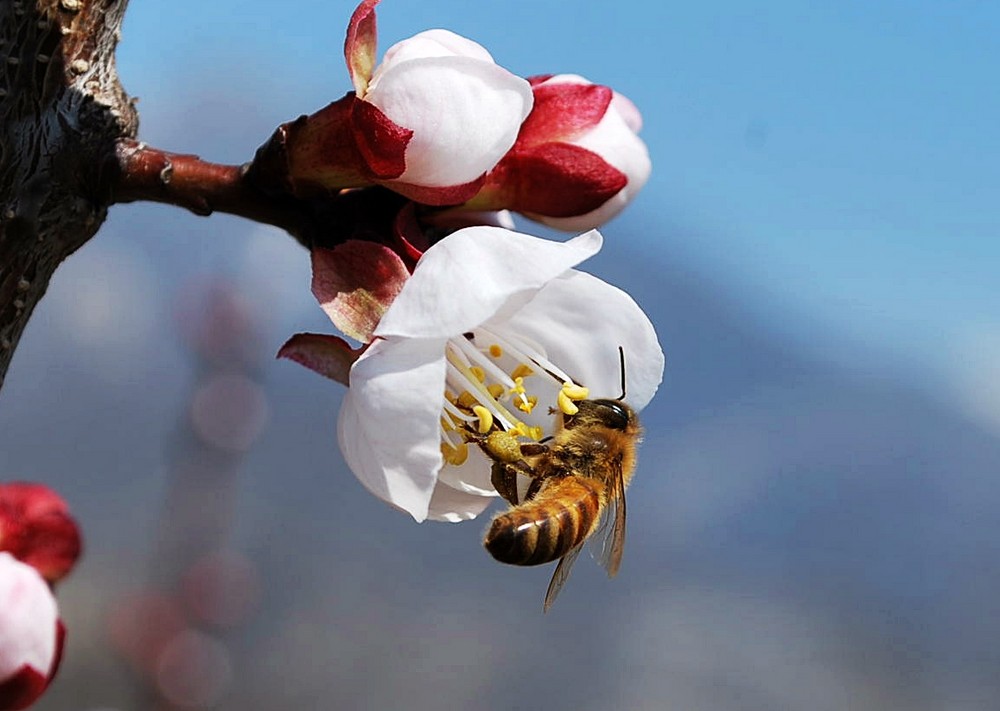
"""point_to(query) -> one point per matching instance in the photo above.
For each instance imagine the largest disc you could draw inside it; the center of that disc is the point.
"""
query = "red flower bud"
(577, 160)
(36, 528)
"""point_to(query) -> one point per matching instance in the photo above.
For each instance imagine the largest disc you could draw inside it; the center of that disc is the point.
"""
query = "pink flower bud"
(36, 528)
(577, 160)
(428, 122)
(31, 634)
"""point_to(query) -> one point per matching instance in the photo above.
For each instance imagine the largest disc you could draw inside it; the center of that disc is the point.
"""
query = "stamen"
(528, 405)
(519, 348)
(485, 418)
(455, 455)
(522, 371)
(473, 355)
(535, 433)
(460, 372)
(482, 381)
(455, 414)
(574, 391)
(566, 404)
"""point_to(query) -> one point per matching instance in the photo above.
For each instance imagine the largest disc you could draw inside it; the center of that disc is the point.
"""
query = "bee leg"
(504, 478)
(533, 449)
(533, 488)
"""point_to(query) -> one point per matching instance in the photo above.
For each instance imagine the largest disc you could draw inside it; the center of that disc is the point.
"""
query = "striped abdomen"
(548, 526)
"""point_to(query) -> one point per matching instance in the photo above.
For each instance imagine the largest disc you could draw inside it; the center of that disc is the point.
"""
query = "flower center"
(494, 382)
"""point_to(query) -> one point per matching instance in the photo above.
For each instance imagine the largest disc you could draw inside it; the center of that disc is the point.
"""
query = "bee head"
(613, 414)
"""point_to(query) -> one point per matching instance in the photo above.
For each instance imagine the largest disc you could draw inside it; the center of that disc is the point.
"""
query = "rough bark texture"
(62, 110)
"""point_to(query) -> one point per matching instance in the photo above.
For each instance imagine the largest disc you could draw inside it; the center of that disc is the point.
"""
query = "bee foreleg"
(533, 449)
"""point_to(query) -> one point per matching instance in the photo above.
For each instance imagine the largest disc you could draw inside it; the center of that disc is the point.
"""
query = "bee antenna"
(621, 356)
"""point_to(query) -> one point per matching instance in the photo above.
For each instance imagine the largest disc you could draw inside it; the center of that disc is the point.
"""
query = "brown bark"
(150, 174)
(62, 111)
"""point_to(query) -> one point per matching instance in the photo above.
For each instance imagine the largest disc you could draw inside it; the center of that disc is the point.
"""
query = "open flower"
(428, 122)
(578, 159)
(491, 329)
(30, 634)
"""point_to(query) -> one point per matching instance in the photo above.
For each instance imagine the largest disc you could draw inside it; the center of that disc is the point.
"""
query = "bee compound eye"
(614, 414)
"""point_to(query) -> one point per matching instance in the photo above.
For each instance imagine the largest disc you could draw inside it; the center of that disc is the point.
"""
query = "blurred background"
(813, 524)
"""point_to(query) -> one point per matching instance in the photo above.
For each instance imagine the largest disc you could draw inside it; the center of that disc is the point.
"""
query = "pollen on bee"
(485, 418)
(575, 392)
(503, 446)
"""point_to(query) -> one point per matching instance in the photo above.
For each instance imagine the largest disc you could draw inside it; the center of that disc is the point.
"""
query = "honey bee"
(577, 490)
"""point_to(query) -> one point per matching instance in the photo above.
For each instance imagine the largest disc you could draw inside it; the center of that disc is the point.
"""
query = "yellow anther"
(466, 400)
(449, 396)
(566, 404)
(446, 424)
(455, 455)
(575, 392)
(523, 430)
(527, 404)
(478, 372)
(521, 371)
(496, 390)
(485, 418)
(496, 351)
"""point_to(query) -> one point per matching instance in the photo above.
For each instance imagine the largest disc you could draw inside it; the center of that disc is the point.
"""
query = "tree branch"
(62, 112)
(203, 188)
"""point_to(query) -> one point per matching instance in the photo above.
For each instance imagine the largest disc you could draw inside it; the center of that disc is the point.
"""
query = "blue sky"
(834, 164)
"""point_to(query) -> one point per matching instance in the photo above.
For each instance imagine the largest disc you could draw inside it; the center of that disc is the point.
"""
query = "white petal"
(28, 619)
(566, 79)
(452, 505)
(431, 43)
(581, 321)
(613, 140)
(476, 274)
(464, 113)
(628, 110)
(389, 421)
(472, 477)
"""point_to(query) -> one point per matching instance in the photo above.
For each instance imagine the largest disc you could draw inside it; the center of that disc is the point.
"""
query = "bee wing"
(560, 576)
(612, 530)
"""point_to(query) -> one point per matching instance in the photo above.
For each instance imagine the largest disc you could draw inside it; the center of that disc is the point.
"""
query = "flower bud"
(36, 528)
(577, 160)
(428, 122)
(31, 634)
